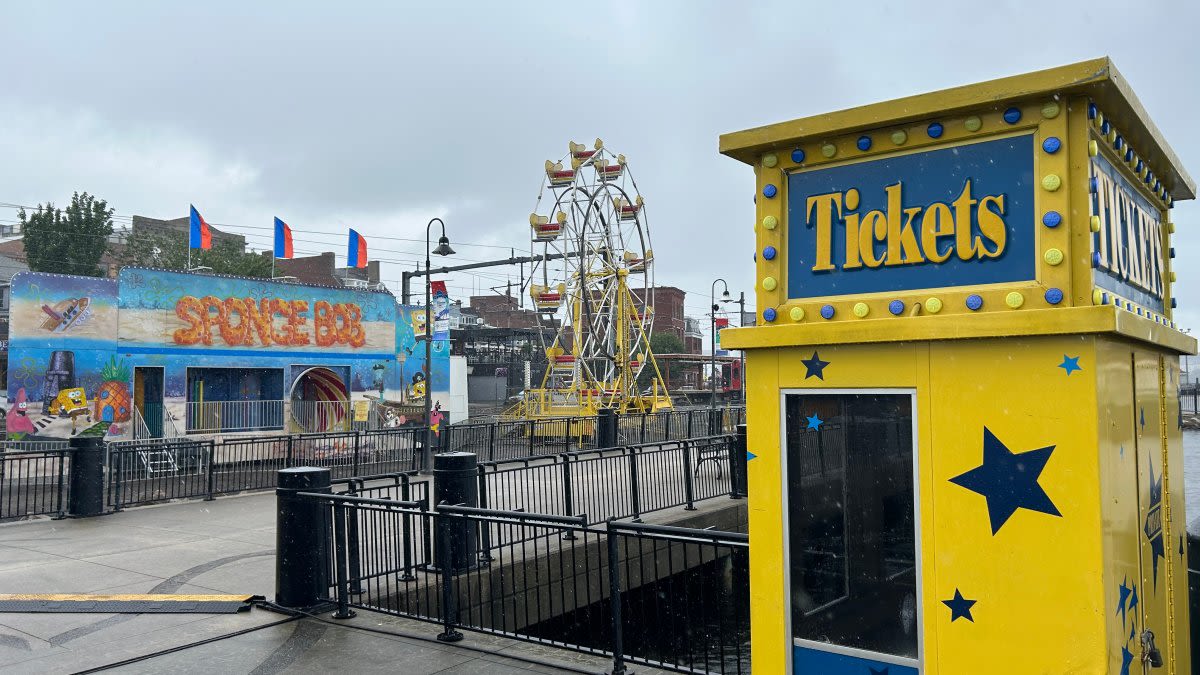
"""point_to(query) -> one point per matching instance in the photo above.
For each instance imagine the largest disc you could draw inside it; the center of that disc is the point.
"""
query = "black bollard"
(87, 476)
(302, 538)
(606, 428)
(456, 483)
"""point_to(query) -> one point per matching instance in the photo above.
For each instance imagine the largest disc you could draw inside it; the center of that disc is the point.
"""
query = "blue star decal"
(1143, 418)
(1122, 449)
(1070, 364)
(1124, 590)
(1133, 598)
(750, 455)
(814, 422)
(1126, 659)
(1132, 630)
(879, 671)
(1008, 481)
(1153, 526)
(815, 366)
(960, 607)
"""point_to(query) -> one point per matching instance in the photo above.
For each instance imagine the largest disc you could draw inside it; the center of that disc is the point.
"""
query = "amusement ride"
(593, 289)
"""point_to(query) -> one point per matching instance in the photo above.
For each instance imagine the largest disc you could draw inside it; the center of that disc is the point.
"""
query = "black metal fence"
(153, 470)
(1189, 399)
(667, 597)
(34, 479)
(624, 482)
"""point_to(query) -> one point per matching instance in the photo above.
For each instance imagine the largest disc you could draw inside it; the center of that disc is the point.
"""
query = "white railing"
(211, 417)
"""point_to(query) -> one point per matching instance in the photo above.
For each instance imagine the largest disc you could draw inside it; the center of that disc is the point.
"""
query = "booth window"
(851, 518)
(227, 400)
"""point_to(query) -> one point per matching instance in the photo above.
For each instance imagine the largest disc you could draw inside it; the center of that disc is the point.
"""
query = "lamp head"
(725, 297)
(443, 247)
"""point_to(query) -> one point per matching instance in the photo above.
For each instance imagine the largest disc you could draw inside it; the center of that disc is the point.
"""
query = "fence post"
(357, 449)
(445, 548)
(118, 471)
(485, 532)
(690, 423)
(614, 602)
(340, 521)
(688, 489)
(210, 478)
(568, 494)
(302, 543)
(492, 440)
(643, 428)
(406, 531)
(287, 463)
(532, 426)
(62, 499)
(667, 433)
(87, 476)
(634, 490)
(737, 463)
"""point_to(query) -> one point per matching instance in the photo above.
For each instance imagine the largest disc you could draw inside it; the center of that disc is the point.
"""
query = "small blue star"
(960, 607)
(815, 366)
(750, 455)
(1126, 659)
(1070, 364)
(1143, 418)
(1122, 449)
(814, 422)
(879, 671)
(1124, 597)
(1132, 630)
(1008, 481)
(1133, 598)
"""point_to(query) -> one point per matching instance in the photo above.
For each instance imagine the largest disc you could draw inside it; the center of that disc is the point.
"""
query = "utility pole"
(742, 353)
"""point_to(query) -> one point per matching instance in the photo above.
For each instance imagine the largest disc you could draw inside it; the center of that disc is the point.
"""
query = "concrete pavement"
(222, 546)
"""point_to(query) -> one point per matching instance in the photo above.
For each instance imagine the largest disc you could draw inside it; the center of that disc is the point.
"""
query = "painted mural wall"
(64, 376)
(198, 354)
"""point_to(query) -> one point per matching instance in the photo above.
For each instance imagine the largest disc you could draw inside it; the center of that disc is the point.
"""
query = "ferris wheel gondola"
(593, 288)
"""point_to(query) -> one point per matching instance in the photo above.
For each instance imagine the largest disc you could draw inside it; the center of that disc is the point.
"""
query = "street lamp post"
(712, 377)
(742, 353)
(443, 249)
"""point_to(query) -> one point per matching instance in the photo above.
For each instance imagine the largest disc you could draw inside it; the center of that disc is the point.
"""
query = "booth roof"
(1097, 79)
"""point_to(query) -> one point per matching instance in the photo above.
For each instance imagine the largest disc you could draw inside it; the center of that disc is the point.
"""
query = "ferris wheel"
(593, 286)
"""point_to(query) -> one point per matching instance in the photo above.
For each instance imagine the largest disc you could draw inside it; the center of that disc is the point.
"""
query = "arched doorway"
(320, 401)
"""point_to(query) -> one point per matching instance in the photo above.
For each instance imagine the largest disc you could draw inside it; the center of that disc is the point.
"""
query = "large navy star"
(1153, 526)
(1124, 590)
(815, 366)
(960, 607)
(1126, 659)
(1008, 481)
(879, 671)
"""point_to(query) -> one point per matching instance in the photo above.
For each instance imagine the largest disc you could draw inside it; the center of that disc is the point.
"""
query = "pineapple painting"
(113, 402)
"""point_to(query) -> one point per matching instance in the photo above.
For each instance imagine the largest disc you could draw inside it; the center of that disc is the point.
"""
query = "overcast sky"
(378, 116)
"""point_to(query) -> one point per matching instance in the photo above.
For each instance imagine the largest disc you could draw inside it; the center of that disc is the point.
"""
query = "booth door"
(853, 574)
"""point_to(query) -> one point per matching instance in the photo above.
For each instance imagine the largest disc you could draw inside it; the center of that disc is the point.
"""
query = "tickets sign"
(954, 216)
(1128, 258)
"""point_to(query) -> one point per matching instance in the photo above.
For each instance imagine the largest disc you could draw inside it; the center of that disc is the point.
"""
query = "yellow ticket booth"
(964, 428)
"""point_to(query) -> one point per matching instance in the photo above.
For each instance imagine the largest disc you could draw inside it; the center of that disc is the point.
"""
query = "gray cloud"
(379, 116)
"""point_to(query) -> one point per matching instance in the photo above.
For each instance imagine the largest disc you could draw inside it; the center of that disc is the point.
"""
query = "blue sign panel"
(806, 661)
(957, 216)
(1128, 258)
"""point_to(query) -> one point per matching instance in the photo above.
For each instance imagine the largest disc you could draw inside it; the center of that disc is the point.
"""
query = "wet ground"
(223, 546)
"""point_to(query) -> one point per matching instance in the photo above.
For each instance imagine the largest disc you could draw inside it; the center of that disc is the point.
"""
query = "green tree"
(168, 250)
(660, 343)
(67, 242)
